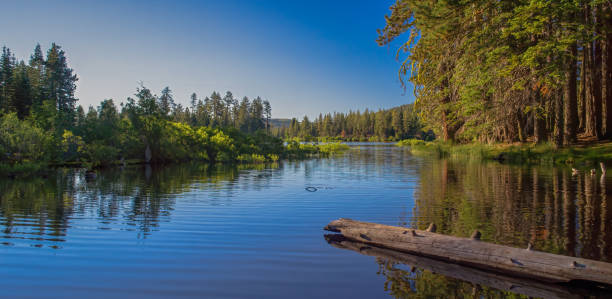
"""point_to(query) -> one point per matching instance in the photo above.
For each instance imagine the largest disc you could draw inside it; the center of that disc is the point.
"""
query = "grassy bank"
(580, 156)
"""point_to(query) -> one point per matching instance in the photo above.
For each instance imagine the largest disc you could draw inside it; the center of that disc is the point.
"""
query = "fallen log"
(523, 286)
(472, 252)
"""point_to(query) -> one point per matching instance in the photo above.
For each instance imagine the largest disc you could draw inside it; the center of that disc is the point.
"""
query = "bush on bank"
(26, 149)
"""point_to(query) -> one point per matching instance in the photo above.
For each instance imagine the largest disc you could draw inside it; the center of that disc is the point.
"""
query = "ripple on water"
(199, 231)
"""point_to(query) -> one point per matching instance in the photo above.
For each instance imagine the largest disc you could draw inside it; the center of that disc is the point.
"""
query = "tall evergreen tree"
(228, 101)
(21, 88)
(243, 115)
(193, 101)
(7, 66)
(267, 109)
(36, 72)
(166, 101)
(60, 85)
(497, 70)
(257, 115)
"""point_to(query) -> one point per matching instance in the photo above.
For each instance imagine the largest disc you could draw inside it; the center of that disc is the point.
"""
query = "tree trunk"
(593, 109)
(538, 124)
(570, 100)
(583, 79)
(608, 73)
(597, 68)
(589, 119)
(557, 127)
(521, 135)
(446, 132)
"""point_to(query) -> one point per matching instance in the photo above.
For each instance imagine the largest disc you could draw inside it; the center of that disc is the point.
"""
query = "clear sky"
(305, 57)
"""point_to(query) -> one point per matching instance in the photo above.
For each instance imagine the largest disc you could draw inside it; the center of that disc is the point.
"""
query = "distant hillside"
(280, 122)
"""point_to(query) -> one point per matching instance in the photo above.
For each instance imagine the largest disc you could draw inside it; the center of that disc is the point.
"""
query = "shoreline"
(292, 152)
(578, 155)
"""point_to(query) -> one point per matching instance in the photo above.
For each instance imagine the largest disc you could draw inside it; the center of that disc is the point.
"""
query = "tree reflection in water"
(40, 211)
(549, 207)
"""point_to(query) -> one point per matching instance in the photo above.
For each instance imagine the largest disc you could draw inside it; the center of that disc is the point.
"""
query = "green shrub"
(20, 141)
(332, 148)
(99, 154)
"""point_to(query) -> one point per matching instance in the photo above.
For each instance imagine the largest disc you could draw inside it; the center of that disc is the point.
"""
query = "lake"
(234, 232)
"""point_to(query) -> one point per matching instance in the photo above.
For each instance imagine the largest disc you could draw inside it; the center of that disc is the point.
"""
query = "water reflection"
(413, 276)
(39, 212)
(198, 231)
(549, 207)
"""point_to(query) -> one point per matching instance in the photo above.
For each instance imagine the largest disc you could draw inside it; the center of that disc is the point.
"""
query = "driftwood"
(472, 252)
(523, 286)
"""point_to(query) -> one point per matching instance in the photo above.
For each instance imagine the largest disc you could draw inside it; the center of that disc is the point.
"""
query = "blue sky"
(305, 57)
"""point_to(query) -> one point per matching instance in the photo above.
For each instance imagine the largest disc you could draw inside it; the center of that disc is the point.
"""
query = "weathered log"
(527, 287)
(466, 251)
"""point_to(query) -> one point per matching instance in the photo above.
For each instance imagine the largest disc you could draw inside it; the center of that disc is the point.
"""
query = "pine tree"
(147, 102)
(194, 101)
(257, 115)
(267, 108)
(166, 101)
(7, 66)
(60, 85)
(21, 88)
(243, 118)
(36, 72)
(495, 70)
(228, 101)
(217, 110)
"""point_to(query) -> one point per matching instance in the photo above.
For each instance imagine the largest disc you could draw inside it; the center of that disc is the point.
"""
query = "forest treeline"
(384, 125)
(507, 71)
(41, 124)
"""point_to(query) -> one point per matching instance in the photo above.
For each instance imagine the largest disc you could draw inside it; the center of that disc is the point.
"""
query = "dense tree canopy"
(383, 125)
(41, 122)
(507, 70)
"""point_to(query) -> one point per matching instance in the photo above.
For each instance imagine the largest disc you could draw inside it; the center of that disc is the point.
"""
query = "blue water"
(235, 232)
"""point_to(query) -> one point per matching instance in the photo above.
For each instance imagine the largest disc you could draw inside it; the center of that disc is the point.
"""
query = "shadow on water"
(40, 211)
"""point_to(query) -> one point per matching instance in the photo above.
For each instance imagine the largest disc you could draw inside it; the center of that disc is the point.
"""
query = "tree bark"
(597, 68)
(593, 109)
(570, 99)
(445, 132)
(583, 95)
(538, 124)
(558, 121)
(608, 72)
(521, 134)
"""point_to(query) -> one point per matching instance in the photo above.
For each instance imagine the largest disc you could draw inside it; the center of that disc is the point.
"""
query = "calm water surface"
(198, 231)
